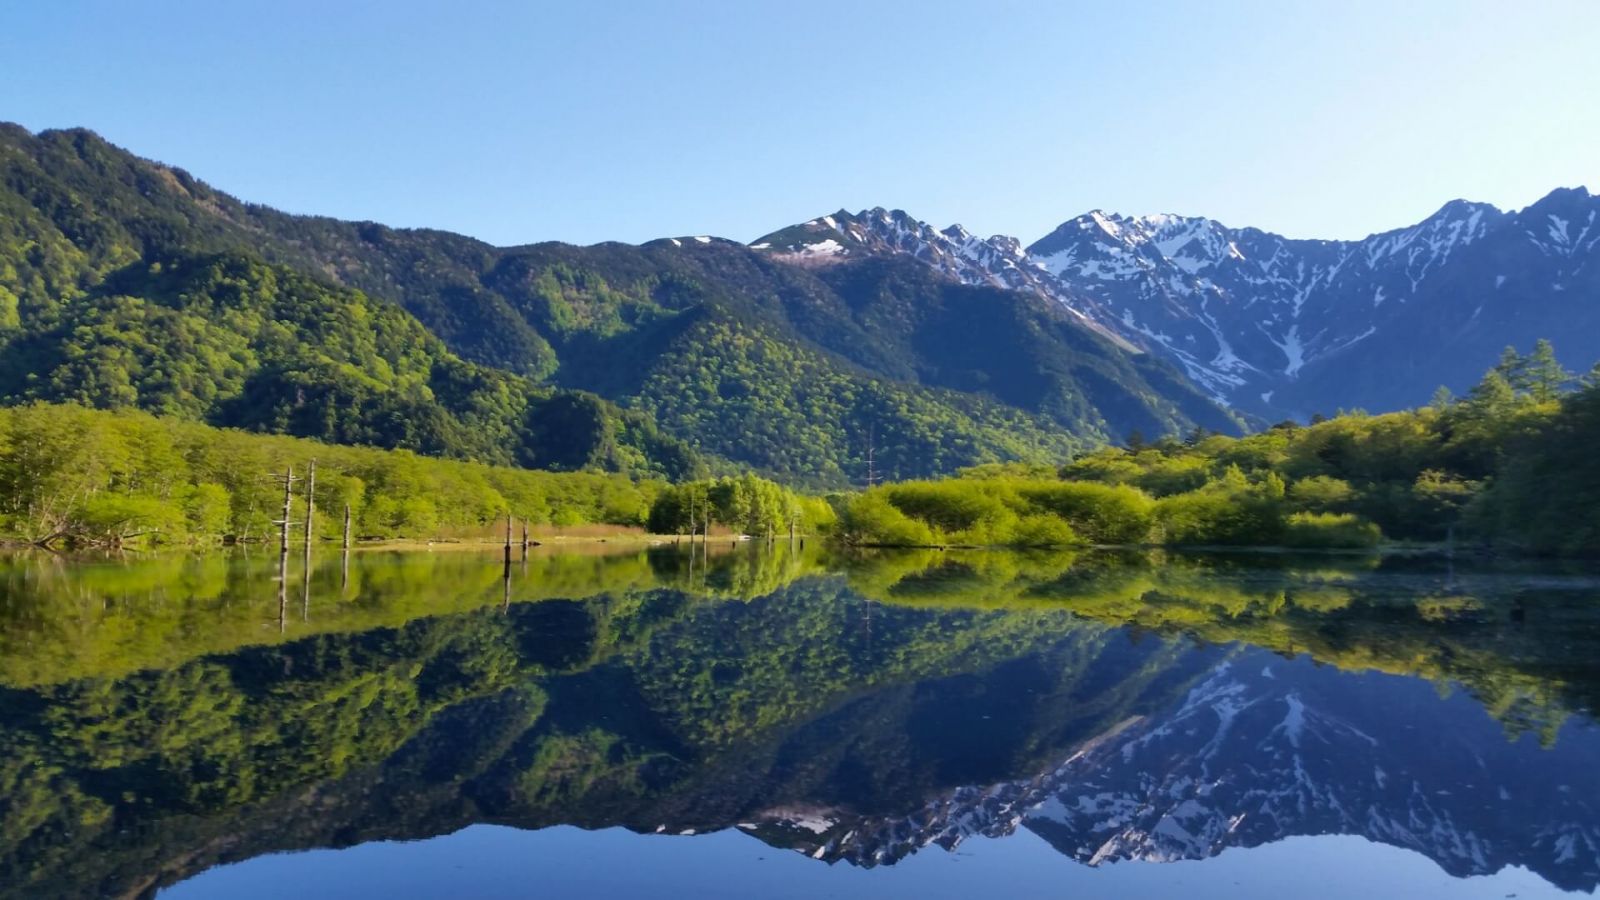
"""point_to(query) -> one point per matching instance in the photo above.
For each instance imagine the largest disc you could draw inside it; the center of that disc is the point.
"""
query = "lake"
(621, 721)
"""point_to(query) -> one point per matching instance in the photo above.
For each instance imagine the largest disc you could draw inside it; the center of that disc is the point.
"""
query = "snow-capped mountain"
(1288, 327)
(1299, 326)
(997, 261)
(1265, 748)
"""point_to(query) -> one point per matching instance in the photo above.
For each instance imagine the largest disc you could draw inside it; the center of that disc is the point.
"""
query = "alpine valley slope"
(797, 371)
(1279, 327)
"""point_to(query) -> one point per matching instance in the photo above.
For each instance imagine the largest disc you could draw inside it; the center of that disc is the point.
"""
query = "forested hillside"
(796, 371)
(1510, 466)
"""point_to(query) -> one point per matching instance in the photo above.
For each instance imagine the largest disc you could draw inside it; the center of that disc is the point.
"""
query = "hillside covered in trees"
(75, 477)
(1507, 467)
(124, 282)
(1510, 466)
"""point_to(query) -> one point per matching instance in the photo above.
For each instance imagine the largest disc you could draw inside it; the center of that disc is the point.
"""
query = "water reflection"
(155, 721)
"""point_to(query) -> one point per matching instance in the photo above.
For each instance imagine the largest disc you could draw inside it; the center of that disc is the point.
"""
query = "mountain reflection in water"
(161, 716)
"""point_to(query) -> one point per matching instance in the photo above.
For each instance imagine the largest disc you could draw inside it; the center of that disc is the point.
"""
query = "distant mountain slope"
(954, 252)
(1273, 326)
(1316, 325)
(798, 371)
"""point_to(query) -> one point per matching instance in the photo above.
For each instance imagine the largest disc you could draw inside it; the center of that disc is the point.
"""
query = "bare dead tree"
(311, 498)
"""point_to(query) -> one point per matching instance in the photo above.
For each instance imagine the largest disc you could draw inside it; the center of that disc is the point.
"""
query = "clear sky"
(633, 119)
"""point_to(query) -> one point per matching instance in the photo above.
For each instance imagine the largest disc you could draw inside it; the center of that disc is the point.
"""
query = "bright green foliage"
(1102, 514)
(1330, 530)
(989, 511)
(746, 395)
(1230, 510)
(873, 519)
(76, 475)
(981, 511)
(239, 343)
(746, 504)
(1547, 491)
(1512, 465)
(128, 283)
(1321, 494)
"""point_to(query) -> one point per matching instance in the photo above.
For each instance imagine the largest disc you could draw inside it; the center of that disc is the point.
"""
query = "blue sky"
(634, 119)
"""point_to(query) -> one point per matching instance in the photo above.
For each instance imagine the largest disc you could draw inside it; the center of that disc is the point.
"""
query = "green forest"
(1508, 466)
(1505, 467)
(125, 283)
(71, 476)
(130, 286)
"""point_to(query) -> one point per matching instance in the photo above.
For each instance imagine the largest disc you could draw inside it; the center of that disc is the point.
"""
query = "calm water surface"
(627, 722)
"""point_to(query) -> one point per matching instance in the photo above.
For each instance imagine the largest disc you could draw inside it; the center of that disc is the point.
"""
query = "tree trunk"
(288, 505)
(311, 498)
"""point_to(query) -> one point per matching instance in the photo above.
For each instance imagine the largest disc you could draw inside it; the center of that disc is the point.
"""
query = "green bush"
(950, 506)
(1101, 513)
(1041, 530)
(1320, 493)
(1231, 510)
(871, 519)
(1330, 531)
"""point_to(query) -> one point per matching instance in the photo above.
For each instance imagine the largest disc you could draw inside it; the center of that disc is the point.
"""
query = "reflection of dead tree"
(311, 507)
(283, 589)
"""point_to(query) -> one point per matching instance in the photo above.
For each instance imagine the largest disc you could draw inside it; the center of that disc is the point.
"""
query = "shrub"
(1101, 513)
(949, 506)
(1200, 517)
(872, 519)
(1230, 510)
(1042, 531)
(1174, 476)
(1320, 493)
(1330, 531)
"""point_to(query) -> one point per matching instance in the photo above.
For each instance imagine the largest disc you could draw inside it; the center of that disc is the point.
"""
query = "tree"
(1513, 368)
(1543, 374)
(1494, 394)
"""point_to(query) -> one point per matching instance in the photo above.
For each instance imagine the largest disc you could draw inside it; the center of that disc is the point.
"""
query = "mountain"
(1277, 327)
(113, 294)
(1262, 749)
(1301, 326)
(954, 252)
(796, 370)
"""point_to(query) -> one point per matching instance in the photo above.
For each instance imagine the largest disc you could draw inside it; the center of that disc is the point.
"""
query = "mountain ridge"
(705, 337)
(1270, 325)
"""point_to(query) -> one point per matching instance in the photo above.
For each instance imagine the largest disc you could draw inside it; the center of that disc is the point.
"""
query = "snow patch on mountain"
(1244, 313)
(998, 261)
